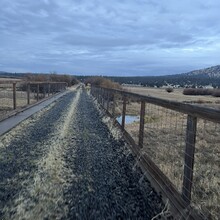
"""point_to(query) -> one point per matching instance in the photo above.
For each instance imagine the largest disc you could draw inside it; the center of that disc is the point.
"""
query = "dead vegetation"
(103, 82)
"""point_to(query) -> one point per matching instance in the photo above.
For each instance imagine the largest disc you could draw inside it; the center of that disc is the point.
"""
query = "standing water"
(128, 119)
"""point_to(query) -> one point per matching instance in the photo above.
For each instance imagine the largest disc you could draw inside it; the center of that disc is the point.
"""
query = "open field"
(164, 142)
(176, 95)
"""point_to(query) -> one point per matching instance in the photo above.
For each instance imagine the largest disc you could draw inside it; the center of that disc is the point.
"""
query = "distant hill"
(197, 78)
(212, 72)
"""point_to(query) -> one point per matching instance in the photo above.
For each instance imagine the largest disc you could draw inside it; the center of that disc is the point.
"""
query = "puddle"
(128, 119)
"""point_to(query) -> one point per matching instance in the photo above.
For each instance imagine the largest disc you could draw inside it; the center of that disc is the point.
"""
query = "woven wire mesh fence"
(6, 97)
(185, 147)
(16, 95)
(206, 177)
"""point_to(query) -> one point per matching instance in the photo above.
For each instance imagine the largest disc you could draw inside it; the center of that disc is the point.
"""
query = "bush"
(199, 91)
(216, 93)
(70, 80)
(169, 90)
(103, 82)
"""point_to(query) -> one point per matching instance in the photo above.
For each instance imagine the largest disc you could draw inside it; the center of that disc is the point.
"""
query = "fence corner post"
(189, 158)
(141, 127)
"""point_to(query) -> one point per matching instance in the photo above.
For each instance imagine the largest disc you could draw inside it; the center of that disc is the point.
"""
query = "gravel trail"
(65, 163)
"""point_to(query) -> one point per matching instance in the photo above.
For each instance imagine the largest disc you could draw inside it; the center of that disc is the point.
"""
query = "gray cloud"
(133, 37)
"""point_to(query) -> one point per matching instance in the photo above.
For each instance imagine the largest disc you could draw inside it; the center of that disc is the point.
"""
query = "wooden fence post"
(48, 89)
(28, 93)
(98, 93)
(100, 96)
(108, 101)
(94, 92)
(37, 92)
(113, 106)
(189, 158)
(14, 96)
(44, 90)
(103, 98)
(141, 128)
(123, 113)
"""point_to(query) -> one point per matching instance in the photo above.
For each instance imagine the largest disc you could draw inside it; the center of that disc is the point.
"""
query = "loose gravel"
(65, 163)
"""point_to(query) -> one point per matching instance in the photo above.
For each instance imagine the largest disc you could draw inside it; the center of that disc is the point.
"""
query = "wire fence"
(181, 139)
(16, 95)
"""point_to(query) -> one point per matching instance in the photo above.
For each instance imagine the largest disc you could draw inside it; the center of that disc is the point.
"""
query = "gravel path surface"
(65, 163)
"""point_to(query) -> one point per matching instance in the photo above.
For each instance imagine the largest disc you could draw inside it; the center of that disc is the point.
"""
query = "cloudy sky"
(115, 37)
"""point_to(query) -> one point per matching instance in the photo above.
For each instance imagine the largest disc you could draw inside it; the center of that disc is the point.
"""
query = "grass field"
(164, 142)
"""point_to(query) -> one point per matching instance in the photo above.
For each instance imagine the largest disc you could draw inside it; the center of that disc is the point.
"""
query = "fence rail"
(176, 144)
(18, 94)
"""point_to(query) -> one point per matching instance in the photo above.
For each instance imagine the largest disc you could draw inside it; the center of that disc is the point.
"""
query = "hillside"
(212, 72)
(197, 78)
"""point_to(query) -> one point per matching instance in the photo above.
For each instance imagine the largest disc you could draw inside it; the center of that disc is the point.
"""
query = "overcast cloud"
(126, 37)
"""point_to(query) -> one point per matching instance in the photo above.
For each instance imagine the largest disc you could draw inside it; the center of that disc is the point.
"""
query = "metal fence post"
(28, 93)
(14, 96)
(141, 128)
(123, 113)
(189, 158)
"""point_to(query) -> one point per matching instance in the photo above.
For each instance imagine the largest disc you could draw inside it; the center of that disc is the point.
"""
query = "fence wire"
(6, 99)
(164, 141)
(206, 179)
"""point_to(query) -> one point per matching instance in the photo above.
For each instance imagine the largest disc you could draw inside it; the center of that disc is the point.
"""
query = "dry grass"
(176, 95)
(42, 197)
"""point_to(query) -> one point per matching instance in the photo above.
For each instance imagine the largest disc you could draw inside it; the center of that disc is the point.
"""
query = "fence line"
(18, 94)
(164, 139)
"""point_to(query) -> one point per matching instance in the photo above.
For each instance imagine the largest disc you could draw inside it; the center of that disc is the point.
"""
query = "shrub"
(216, 93)
(199, 91)
(70, 80)
(169, 90)
(103, 82)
